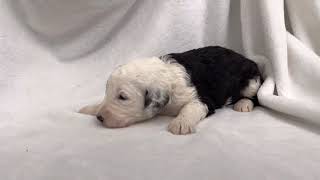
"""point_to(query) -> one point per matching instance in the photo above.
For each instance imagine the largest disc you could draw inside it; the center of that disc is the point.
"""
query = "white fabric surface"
(55, 56)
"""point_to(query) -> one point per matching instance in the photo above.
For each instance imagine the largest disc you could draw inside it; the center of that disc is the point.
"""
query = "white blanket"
(55, 57)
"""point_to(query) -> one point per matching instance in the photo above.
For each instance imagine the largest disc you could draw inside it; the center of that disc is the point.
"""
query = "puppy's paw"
(243, 105)
(181, 127)
(91, 110)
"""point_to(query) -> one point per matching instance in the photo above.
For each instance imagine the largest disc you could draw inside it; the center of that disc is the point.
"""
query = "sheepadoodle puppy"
(188, 86)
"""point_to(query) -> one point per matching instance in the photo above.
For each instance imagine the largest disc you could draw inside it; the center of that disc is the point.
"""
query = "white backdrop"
(55, 56)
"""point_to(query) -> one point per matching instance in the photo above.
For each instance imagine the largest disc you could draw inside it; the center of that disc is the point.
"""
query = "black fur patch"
(217, 73)
(155, 99)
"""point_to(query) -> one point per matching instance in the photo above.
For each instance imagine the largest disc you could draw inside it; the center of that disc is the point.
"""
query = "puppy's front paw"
(91, 110)
(243, 105)
(179, 127)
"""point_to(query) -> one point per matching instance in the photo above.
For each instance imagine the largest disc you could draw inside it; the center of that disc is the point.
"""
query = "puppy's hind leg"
(246, 104)
(188, 118)
(243, 105)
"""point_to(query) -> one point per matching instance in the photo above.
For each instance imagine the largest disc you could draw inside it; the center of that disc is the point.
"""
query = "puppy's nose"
(100, 118)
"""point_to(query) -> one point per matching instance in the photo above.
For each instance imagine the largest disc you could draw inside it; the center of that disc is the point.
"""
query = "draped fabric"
(55, 57)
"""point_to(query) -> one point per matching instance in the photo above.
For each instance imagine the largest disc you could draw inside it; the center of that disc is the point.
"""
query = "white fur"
(243, 105)
(188, 118)
(132, 79)
(246, 105)
(252, 89)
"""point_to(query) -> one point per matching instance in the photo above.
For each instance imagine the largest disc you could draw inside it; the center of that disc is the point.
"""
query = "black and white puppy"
(188, 85)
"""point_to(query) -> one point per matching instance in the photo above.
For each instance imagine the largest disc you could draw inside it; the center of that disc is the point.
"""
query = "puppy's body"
(189, 85)
(218, 74)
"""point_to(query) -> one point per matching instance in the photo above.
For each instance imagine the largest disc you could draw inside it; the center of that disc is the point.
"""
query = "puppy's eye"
(147, 92)
(122, 97)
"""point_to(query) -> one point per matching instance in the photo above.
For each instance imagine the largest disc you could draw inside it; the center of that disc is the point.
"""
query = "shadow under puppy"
(188, 85)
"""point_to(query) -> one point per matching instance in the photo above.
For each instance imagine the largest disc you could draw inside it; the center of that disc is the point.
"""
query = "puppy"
(188, 85)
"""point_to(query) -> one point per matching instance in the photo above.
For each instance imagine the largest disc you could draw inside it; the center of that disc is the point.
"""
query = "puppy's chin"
(116, 124)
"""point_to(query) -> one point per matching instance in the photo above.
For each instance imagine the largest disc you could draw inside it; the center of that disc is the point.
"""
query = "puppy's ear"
(155, 98)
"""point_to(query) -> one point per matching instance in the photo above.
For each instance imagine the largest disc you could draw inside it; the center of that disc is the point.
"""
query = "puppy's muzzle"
(111, 124)
(100, 118)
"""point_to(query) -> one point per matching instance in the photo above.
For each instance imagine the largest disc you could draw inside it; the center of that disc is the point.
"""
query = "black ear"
(155, 99)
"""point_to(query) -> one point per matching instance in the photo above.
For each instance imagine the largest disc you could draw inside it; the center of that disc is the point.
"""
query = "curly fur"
(189, 86)
(218, 73)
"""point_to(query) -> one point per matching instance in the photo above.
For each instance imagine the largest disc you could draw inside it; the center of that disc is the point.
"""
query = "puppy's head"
(130, 97)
